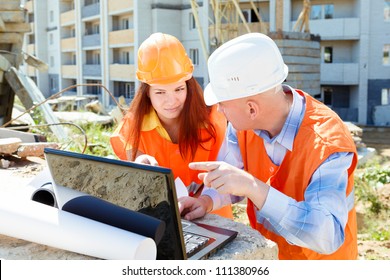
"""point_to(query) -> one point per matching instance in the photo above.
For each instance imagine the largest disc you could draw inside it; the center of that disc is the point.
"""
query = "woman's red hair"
(194, 116)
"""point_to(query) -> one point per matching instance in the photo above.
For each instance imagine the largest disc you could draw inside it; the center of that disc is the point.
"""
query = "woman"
(168, 123)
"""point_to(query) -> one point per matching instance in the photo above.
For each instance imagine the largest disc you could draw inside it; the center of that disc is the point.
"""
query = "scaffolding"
(226, 21)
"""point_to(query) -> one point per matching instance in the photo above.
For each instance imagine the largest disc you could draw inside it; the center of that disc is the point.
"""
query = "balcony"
(340, 73)
(117, 6)
(68, 18)
(122, 72)
(69, 71)
(121, 37)
(91, 40)
(90, 10)
(336, 29)
(68, 44)
(92, 70)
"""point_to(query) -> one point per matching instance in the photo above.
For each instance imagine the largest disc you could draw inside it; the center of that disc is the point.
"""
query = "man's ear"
(253, 109)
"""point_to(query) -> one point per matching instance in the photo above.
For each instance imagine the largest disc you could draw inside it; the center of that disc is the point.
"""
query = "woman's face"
(168, 100)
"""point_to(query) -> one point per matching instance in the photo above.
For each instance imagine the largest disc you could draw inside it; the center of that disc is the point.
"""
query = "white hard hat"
(244, 66)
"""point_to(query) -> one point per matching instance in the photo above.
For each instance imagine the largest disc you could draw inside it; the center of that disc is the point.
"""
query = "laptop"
(143, 188)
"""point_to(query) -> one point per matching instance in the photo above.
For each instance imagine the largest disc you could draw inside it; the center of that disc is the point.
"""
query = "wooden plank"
(26, 137)
(29, 94)
(17, 86)
(13, 16)
(4, 63)
(17, 27)
(11, 38)
(2, 24)
(7, 97)
(9, 5)
(300, 51)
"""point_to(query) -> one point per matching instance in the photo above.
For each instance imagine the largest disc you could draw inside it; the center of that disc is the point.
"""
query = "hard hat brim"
(209, 97)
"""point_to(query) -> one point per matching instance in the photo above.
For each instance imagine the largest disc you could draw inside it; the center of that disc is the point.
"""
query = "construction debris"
(15, 146)
(9, 146)
(357, 134)
(34, 149)
(13, 25)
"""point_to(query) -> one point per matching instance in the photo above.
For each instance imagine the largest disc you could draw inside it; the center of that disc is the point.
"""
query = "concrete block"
(34, 149)
(9, 145)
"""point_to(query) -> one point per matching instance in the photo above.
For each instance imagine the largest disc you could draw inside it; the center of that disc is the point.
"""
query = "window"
(328, 54)
(93, 89)
(328, 11)
(386, 51)
(387, 11)
(51, 61)
(125, 23)
(327, 93)
(95, 28)
(192, 21)
(129, 90)
(125, 58)
(74, 59)
(51, 16)
(53, 83)
(31, 18)
(31, 39)
(96, 58)
(385, 100)
(316, 11)
(325, 11)
(250, 15)
(91, 2)
(51, 39)
(194, 55)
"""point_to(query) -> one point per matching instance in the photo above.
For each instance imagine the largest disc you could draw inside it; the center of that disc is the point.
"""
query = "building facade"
(87, 42)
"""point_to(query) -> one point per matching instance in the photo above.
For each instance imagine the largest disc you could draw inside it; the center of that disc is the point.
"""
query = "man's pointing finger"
(204, 165)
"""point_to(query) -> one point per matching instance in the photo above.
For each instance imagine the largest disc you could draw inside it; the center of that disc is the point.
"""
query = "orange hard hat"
(162, 59)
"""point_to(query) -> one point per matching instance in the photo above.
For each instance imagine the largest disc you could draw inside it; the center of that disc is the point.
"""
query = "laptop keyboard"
(194, 242)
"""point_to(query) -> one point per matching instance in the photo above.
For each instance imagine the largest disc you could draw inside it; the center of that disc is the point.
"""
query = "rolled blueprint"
(42, 188)
(43, 224)
(103, 211)
(45, 194)
(88, 206)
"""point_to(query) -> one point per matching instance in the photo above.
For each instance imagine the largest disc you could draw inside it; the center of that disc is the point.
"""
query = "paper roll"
(45, 195)
(42, 188)
(103, 211)
(43, 224)
(85, 205)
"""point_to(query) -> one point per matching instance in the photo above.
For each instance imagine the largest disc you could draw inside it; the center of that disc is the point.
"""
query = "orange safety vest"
(321, 134)
(168, 154)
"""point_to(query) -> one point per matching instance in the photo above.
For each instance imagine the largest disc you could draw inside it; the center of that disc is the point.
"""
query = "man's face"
(236, 112)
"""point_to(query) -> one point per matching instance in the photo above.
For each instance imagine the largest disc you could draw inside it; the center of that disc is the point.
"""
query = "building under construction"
(343, 59)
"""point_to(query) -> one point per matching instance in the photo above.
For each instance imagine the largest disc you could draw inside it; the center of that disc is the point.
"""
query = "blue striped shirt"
(319, 221)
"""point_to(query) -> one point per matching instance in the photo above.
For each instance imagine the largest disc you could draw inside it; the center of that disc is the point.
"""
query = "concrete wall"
(381, 115)
(374, 99)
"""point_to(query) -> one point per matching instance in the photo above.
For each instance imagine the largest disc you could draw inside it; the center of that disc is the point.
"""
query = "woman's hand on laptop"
(192, 208)
(146, 159)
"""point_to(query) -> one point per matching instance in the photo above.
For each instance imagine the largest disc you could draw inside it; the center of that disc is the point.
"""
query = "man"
(298, 156)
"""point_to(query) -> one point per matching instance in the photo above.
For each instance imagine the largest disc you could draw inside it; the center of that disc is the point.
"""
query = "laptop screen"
(143, 188)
